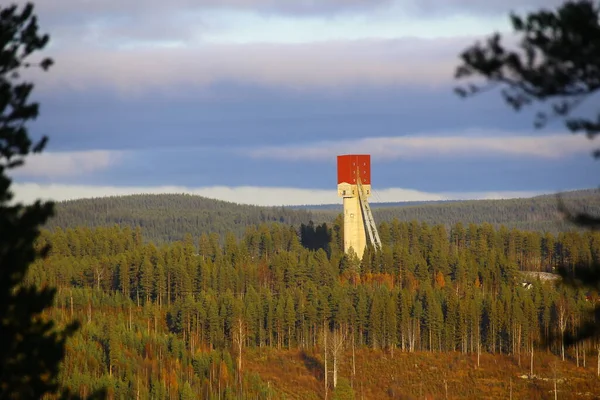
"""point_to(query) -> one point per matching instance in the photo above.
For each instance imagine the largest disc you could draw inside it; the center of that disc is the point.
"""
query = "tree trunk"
(325, 363)
(562, 324)
(446, 388)
(531, 361)
(402, 344)
(335, 368)
(98, 277)
(598, 372)
(168, 289)
(353, 362)
(555, 391)
(240, 343)
(337, 346)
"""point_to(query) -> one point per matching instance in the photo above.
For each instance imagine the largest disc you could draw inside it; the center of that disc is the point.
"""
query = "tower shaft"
(354, 225)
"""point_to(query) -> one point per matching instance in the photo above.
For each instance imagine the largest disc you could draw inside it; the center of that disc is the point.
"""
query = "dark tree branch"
(31, 346)
(557, 62)
(581, 219)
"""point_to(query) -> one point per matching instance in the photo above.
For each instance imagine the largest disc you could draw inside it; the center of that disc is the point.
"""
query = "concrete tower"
(354, 186)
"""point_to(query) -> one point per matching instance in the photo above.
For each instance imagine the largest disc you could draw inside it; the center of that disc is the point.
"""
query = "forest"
(211, 316)
(169, 217)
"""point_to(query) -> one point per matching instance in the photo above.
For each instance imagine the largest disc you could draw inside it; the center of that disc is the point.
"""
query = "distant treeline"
(167, 218)
(535, 214)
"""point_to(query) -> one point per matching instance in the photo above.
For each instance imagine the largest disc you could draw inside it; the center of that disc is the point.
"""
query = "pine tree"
(547, 71)
(32, 347)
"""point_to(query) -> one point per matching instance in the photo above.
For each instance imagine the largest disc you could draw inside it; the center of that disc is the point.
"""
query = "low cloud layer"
(108, 23)
(55, 165)
(326, 65)
(478, 7)
(410, 147)
(56, 8)
(61, 8)
(264, 196)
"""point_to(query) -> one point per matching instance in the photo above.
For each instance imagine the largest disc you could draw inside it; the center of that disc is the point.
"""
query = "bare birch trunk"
(353, 363)
(336, 348)
(598, 349)
(531, 361)
(325, 361)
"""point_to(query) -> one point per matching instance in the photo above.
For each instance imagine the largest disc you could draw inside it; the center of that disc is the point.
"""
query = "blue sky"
(251, 101)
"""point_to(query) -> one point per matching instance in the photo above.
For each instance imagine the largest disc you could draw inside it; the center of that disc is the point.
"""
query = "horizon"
(376, 204)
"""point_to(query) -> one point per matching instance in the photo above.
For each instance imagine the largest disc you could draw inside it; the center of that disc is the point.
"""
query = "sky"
(251, 101)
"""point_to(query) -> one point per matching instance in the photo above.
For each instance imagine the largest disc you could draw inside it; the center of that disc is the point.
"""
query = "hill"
(168, 217)
(338, 206)
(538, 213)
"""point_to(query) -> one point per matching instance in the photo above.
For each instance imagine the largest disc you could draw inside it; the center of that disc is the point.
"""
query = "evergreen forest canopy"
(168, 217)
(177, 320)
(180, 319)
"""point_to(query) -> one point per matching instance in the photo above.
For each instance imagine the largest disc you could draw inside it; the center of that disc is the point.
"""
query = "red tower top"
(350, 165)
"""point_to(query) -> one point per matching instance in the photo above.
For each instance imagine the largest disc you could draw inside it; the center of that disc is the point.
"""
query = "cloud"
(103, 22)
(264, 196)
(327, 65)
(62, 8)
(410, 147)
(66, 164)
(58, 8)
(112, 22)
(106, 23)
(157, 30)
(481, 7)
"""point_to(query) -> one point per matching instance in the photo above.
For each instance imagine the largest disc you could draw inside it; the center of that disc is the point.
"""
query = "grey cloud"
(331, 65)
(256, 116)
(151, 28)
(107, 22)
(66, 164)
(552, 146)
(112, 21)
(476, 7)
(58, 8)
(107, 29)
(93, 8)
